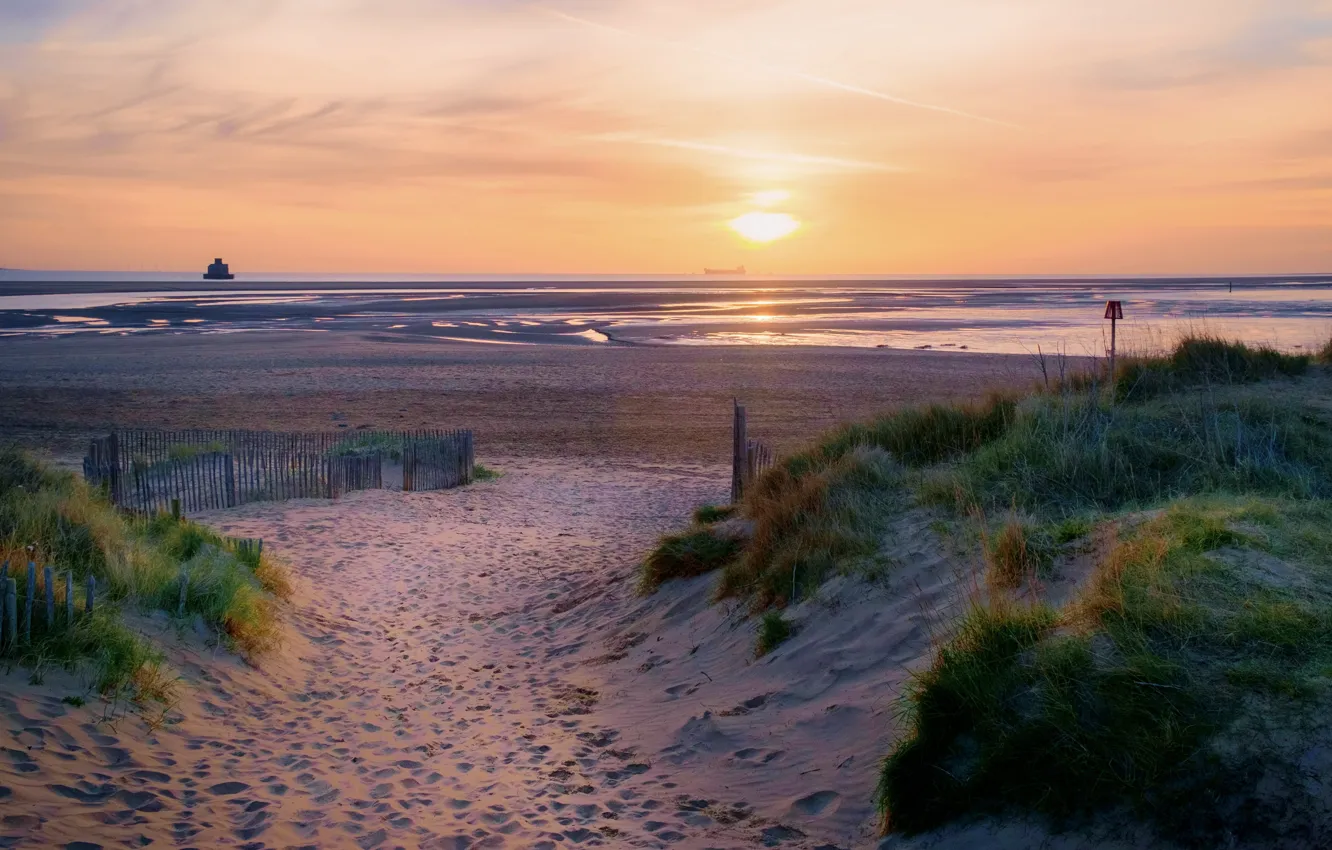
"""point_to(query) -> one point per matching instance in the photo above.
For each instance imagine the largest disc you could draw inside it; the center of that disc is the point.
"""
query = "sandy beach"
(473, 669)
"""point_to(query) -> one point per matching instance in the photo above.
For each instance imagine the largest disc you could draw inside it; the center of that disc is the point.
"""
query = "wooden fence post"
(184, 589)
(69, 598)
(48, 575)
(113, 458)
(32, 597)
(11, 612)
(408, 466)
(738, 451)
(91, 595)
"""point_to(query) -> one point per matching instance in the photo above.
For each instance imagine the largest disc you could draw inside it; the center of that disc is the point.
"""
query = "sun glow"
(765, 226)
(769, 198)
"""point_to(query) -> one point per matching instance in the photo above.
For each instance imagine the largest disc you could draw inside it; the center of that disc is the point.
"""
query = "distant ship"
(218, 270)
(736, 270)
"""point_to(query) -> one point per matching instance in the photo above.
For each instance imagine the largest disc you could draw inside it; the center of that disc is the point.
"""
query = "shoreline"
(14, 283)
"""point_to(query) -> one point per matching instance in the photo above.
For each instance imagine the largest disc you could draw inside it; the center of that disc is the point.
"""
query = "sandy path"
(471, 669)
(424, 698)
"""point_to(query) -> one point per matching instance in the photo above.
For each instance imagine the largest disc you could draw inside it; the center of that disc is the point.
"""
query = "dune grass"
(1177, 675)
(812, 523)
(1018, 551)
(485, 473)
(1324, 353)
(52, 517)
(1079, 452)
(1117, 701)
(773, 630)
(914, 436)
(687, 554)
(708, 514)
(1203, 359)
(389, 445)
(1211, 613)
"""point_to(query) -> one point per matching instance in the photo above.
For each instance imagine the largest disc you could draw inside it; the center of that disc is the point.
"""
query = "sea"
(981, 314)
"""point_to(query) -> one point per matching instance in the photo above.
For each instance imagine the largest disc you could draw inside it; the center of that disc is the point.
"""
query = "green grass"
(1114, 702)
(484, 473)
(773, 630)
(690, 553)
(914, 436)
(1193, 659)
(52, 517)
(1324, 353)
(1203, 359)
(389, 445)
(708, 514)
(1069, 529)
(1078, 453)
(186, 452)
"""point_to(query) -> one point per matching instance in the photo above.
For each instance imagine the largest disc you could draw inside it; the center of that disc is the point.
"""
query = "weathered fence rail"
(58, 608)
(147, 471)
(749, 458)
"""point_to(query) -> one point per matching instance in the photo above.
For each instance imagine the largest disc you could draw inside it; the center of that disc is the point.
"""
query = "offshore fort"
(218, 270)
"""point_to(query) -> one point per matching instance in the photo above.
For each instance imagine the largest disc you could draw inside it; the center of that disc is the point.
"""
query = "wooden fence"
(148, 471)
(357, 472)
(749, 458)
(53, 600)
(437, 464)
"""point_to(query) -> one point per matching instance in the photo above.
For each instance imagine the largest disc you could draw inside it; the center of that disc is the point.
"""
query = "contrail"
(746, 153)
(772, 69)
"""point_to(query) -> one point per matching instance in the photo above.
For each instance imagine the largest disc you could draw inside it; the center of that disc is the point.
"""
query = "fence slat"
(48, 578)
(11, 612)
(28, 605)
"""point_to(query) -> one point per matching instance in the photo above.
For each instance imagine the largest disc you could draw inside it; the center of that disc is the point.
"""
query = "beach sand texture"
(472, 668)
(640, 402)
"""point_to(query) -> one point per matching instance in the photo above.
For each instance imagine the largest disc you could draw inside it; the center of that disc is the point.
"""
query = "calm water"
(979, 314)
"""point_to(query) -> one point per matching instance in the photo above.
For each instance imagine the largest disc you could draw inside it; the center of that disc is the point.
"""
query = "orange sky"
(931, 136)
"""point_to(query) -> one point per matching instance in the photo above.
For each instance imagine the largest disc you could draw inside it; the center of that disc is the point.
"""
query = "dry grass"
(1016, 553)
(811, 524)
(694, 552)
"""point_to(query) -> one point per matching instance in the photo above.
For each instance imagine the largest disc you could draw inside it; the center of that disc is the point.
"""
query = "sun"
(765, 226)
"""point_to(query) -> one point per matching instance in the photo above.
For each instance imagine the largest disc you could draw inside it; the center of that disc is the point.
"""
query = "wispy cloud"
(776, 70)
(428, 134)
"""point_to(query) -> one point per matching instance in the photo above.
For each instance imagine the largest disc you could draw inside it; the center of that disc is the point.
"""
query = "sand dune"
(472, 668)
(440, 687)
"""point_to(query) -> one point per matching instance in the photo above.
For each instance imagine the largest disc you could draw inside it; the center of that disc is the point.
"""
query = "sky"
(624, 136)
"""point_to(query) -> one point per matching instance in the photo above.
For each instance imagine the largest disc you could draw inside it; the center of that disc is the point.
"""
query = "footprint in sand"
(818, 803)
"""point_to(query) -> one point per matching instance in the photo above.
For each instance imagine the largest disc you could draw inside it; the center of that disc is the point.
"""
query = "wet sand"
(655, 403)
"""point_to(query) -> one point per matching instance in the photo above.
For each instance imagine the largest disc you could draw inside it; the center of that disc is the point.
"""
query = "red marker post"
(1114, 311)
